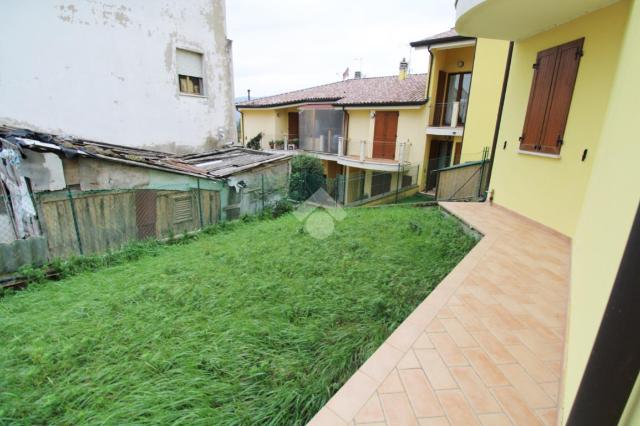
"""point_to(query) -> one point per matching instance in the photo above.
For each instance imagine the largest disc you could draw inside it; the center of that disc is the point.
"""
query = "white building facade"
(150, 74)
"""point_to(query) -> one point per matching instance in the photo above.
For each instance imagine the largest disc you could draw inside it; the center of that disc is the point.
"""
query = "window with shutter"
(554, 78)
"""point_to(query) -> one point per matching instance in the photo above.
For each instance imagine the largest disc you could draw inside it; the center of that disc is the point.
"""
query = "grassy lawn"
(417, 198)
(257, 323)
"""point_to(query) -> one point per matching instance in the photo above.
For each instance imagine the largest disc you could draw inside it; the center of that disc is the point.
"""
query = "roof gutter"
(429, 43)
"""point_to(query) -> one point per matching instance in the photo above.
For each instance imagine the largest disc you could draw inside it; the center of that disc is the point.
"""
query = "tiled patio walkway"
(485, 348)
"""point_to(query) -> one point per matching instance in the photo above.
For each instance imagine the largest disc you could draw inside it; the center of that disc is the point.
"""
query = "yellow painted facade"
(610, 202)
(551, 190)
(592, 201)
(273, 123)
(486, 60)
(486, 86)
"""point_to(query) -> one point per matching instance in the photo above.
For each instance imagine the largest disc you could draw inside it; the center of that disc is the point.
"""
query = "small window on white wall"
(189, 65)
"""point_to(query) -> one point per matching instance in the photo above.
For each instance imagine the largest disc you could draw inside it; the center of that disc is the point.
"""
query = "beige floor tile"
(517, 410)
(549, 416)
(391, 384)
(469, 321)
(408, 361)
(326, 417)
(383, 360)
(352, 395)
(371, 412)
(545, 349)
(485, 367)
(434, 421)
(527, 388)
(435, 327)
(493, 347)
(421, 395)
(435, 369)
(494, 419)
(448, 350)
(475, 391)
(552, 389)
(445, 312)
(534, 366)
(457, 332)
(458, 410)
(423, 342)
(397, 410)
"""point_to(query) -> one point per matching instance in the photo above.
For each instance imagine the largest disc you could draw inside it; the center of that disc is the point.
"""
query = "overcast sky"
(284, 45)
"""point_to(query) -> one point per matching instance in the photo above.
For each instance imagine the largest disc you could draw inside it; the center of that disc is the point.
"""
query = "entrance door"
(293, 127)
(384, 134)
(439, 157)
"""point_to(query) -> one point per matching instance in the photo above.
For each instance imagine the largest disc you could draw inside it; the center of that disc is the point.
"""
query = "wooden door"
(294, 121)
(146, 213)
(384, 134)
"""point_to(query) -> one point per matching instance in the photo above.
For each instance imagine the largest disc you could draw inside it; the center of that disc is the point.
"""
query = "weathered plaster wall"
(106, 70)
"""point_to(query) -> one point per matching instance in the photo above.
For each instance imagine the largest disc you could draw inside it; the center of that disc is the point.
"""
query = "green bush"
(254, 143)
(307, 176)
(281, 207)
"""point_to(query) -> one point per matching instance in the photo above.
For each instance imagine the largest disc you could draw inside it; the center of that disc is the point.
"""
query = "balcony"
(516, 20)
(376, 155)
(448, 118)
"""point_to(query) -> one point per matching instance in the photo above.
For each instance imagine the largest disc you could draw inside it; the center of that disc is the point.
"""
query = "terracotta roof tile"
(358, 91)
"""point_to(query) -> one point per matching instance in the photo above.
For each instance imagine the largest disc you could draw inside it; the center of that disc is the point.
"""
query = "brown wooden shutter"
(554, 78)
(538, 99)
(560, 101)
(440, 95)
(384, 134)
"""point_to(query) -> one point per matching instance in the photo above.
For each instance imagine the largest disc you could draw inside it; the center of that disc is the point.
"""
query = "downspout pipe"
(496, 132)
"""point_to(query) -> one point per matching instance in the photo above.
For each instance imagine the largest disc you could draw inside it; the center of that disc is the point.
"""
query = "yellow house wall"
(610, 201)
(360, 129)
(282, 122)
(446, 60)
(259, 120)
(484, 100)
(551, 190)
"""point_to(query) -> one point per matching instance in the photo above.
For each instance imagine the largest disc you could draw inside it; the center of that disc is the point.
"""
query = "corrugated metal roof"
(232, 160)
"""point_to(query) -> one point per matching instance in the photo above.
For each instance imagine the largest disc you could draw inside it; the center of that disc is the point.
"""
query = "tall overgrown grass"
(254, 324)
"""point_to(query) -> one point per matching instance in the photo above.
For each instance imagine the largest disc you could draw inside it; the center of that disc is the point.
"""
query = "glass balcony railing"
(450, 114)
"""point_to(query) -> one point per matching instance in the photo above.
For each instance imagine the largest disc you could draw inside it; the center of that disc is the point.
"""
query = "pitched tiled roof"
(445, 37)
(388, 90)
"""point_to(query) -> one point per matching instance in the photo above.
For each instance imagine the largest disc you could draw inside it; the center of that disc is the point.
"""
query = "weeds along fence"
(74, 222)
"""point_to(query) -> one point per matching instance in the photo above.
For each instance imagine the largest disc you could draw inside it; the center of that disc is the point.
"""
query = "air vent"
(182, 209)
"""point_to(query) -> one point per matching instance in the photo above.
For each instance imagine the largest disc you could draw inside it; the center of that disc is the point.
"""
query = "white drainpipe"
(363, 149)
(340, 146)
